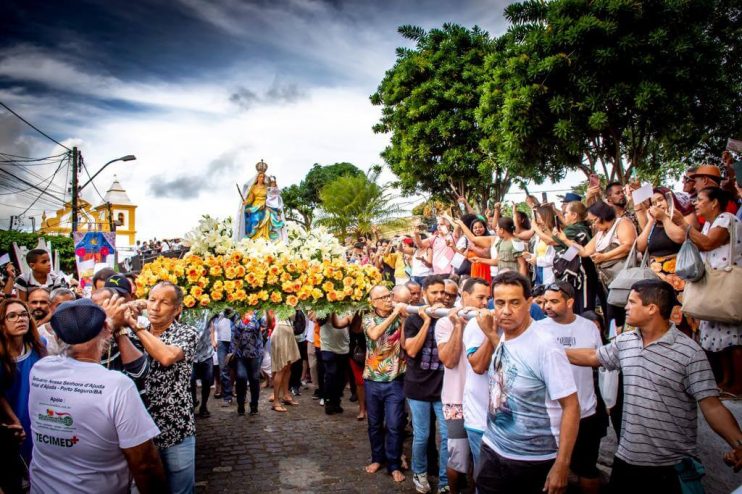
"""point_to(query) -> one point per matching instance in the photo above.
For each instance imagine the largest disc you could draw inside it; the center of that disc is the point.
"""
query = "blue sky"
(200, 90)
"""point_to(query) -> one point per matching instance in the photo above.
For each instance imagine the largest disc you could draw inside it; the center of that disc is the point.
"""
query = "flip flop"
(279, 408)
(290, 402)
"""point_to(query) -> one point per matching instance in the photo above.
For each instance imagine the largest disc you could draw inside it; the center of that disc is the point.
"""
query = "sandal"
(290, 402)
(278, 408)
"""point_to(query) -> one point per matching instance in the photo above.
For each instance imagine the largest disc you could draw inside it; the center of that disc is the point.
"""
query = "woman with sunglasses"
(20, 349)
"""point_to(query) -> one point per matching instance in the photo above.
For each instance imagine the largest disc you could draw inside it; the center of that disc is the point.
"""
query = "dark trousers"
(498, 475)
(248, 370)
(385, 404)
(204, 371)
(222, 350)
(643, 479)
(297, 368)
(320, 373)
(335, 372)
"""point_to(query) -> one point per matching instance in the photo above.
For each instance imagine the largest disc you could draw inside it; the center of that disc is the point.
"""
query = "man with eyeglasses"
(383, 376)
(572, 331)
(533, 413)
(450, 293)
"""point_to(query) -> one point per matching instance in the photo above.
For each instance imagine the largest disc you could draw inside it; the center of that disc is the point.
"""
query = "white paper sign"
(570, 253)
(642, 194)
(4, 259)
(734, 145)
(458, 260)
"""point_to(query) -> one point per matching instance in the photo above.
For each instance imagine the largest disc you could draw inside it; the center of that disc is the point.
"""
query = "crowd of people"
(484, 338)
(154, 246)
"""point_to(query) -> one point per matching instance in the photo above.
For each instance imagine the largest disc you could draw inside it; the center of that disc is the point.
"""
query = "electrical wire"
(30, 184)
(82, 161)
(26, 158)
(34, 127)
(61, 163)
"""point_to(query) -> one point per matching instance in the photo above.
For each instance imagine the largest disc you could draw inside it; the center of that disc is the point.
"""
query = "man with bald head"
(384, 377)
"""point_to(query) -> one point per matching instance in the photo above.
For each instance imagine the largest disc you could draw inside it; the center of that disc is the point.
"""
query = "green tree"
(614, 86)
(428, 101)
(355, 204)
(302, 200)
(63, 245)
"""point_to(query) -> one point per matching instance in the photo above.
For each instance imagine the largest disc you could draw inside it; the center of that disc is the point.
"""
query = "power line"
(26, 158)
(91, 179)
(33, 126)
(61, 163)
(31, 185)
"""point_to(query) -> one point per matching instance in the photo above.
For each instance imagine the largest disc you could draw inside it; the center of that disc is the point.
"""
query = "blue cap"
(78, 321)
(571, 197)
(120, 283)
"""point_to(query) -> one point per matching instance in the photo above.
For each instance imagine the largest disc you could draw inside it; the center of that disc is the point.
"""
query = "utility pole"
(12, 222)
(75, 191)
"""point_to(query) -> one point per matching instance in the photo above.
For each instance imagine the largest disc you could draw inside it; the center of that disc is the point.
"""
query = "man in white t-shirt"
(90, 430)
(223, 326)
(448, 337)
(533, 412)
(572, 331)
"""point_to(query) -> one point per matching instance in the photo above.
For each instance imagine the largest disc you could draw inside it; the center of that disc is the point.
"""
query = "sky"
(199, 91)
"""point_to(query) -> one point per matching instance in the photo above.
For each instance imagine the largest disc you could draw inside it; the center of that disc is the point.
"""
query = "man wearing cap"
(710, 176)
(171, 347)
(89, 427)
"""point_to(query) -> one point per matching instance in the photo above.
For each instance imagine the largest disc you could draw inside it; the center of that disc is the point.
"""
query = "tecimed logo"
(62, 442)
(55, 417)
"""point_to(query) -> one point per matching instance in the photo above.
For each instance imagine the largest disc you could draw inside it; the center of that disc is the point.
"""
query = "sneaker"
(353, 398)
(444, 490)
(227, 403)
(329, 409)
(339, 409)
(295, 392)
(204, 413)
(421, 483)
(253, 410)
(240, 409)
(316, 395)
(321, 402)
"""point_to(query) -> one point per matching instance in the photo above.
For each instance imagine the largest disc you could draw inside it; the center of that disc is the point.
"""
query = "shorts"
(357, 370)
(458, 446)
(587, 447)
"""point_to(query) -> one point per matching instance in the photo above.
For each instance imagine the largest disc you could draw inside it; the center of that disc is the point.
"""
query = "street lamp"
(77, 189)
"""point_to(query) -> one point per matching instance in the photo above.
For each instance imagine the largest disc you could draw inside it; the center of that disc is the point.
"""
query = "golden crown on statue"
(261, 166)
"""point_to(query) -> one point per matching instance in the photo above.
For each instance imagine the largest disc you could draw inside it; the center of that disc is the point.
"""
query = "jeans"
(180, 466)
(205, 372)
(248, 370)
(222, 349)
(475, 445)
(421, 411)
(419, 279)
(335, 373)
(385, 404)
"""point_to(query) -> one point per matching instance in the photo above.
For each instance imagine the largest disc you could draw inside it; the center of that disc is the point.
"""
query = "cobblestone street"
(306, 451)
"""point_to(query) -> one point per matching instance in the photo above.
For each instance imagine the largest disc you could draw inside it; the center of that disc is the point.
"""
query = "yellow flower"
(252, 299)
(263, 295)
(189, 301)
(276, 297)
(292, 300)
(204, 301)
(217, 295)
(197, 291)
(327, 286)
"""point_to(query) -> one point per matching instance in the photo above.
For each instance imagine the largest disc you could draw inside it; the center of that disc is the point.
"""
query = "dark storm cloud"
(11, 140)
(190, 186)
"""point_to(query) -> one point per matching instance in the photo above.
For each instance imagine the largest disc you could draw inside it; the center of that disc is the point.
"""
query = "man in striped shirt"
(665, 375)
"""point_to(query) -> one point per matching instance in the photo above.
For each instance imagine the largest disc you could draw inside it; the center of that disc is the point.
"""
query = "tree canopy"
(428, 99)
(301, 201)
(615, 85)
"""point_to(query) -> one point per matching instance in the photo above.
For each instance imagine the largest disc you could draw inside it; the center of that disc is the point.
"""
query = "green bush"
(63, 245)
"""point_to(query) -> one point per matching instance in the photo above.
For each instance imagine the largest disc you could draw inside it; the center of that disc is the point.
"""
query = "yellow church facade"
(116, 212)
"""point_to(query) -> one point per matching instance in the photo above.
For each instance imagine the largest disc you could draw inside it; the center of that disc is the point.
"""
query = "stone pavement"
(306, 451)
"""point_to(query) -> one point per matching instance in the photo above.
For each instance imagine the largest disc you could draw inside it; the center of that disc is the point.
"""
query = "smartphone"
(594, 180)
(544, 199)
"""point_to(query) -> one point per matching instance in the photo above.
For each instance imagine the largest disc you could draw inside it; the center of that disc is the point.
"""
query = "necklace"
(83, 359)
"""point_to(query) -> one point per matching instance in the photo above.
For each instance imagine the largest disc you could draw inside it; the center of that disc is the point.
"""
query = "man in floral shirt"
(384, 378)
(171, 347)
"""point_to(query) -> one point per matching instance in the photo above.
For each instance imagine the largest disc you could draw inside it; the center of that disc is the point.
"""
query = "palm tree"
(355, 204)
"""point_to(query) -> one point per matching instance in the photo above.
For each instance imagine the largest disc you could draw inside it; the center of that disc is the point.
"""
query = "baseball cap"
(571, 197)
(78, 321)
(120, 283)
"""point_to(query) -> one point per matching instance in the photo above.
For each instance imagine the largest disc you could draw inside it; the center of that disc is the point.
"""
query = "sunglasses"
(554, 287)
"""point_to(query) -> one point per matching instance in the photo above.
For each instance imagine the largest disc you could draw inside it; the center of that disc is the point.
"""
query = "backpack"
(299, 322)
(570, 271)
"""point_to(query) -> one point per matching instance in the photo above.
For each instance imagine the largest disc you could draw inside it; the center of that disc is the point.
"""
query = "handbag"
(689, 264)
(717, 296)
(620, 287)
(230, 361)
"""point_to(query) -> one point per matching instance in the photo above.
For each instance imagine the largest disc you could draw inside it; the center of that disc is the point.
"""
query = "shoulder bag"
(717, 295)
(630, 274)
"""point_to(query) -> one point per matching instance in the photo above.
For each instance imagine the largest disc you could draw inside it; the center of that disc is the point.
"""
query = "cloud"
(246, 98)
(191, 186)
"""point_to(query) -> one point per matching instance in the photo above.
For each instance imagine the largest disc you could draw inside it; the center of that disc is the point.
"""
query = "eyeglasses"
(383, 297)
(12, 316)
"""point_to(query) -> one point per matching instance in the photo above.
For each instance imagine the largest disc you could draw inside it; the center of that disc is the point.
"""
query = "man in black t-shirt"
(422, 386)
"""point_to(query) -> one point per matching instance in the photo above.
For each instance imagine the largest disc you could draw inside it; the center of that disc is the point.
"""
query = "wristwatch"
(122, 332)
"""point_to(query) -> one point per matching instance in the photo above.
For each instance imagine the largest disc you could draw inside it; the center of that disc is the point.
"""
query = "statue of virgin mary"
(256, 218)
